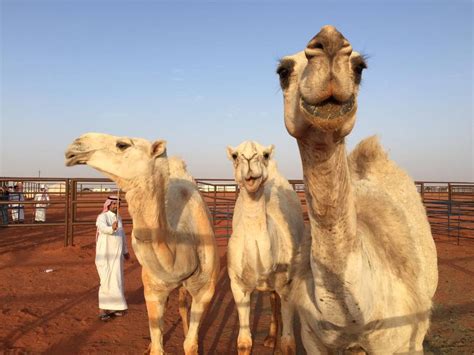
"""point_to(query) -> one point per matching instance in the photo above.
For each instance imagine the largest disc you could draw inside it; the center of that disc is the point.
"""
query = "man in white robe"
(40, 208)
(111, 249)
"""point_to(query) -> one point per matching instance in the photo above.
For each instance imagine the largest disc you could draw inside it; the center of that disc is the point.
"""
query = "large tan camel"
(367, 283)
(267, 228)
(172, 232)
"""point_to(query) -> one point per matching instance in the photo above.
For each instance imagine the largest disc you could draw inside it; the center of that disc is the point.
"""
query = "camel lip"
(252, 184)
(328, 109)
(76, 158)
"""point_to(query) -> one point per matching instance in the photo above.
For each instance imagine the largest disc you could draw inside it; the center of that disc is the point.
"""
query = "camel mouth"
(252, 183)
(328, 109)
(76, 158)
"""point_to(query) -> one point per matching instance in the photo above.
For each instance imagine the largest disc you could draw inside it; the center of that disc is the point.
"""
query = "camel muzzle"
(74, 157)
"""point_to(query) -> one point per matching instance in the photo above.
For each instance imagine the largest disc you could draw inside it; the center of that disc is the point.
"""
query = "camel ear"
(231, 153)
(158, 148)
(268, 152)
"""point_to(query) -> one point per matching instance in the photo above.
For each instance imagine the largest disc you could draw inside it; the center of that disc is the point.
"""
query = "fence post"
(214, 212)
(449, 209)
(73, 208)
(70, 214)
(66, 229)
(449, 196)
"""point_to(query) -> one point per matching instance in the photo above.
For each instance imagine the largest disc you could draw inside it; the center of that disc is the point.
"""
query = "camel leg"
(155, 305)
(271, 339)
(183, 309)
(198, 306)
(288, 344)
(242, 302)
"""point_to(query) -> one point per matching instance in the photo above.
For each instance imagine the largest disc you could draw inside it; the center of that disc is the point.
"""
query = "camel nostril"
(70, 155)
(314, 46)
(318, 45)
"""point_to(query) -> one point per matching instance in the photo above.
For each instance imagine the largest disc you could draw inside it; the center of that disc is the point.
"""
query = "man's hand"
(114, 226)
(126, 256)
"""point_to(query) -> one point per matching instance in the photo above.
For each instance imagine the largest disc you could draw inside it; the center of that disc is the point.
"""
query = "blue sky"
(202, 76)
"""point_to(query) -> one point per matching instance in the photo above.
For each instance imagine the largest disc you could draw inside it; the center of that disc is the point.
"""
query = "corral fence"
(76, 202)
(450, 207)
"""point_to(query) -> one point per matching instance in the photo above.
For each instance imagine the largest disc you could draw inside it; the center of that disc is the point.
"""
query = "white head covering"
(105, 208)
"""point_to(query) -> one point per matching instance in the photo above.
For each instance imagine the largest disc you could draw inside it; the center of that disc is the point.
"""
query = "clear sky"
(202, 76)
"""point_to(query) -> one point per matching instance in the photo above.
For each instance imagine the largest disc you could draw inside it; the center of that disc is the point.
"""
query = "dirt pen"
(56, 312)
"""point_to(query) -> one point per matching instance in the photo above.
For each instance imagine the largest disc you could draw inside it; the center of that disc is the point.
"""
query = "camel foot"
(191, 349)
(244, 346)
(288, 345)
(269, 341)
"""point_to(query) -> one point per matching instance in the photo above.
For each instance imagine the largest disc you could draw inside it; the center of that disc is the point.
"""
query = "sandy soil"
(56, 312)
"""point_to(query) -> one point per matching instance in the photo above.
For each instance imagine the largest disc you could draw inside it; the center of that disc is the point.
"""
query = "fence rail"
(75, 202)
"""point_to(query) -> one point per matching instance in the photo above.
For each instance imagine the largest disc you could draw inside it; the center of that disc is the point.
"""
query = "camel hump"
(368, 153)
(178, 169)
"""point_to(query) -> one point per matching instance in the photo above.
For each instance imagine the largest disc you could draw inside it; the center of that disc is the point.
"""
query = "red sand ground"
(56, 312)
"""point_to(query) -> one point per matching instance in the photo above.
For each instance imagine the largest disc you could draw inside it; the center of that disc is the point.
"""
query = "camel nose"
(330, 41)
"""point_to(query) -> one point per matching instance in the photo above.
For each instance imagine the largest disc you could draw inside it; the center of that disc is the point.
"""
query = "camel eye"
(358, 64)
(266, 156)
(283, 73)
(358, 69)
(284, 70)
(234, 156)
(122, 145)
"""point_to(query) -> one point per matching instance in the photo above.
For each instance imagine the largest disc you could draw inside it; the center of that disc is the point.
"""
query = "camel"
(367, 279)
(267, 227)
(172, 235)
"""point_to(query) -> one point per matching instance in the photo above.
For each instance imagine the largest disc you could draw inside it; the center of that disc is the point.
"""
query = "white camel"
(267, 227)
(369, 278)
(172, 232)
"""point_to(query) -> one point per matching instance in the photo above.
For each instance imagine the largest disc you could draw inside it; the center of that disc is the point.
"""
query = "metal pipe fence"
(450, 208)
(76, 202)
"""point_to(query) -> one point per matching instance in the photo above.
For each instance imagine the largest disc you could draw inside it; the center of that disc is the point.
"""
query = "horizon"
(202, 76)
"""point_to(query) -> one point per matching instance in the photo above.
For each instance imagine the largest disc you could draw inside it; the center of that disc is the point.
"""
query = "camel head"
(320, 85)
(127, 161)
(250, 161)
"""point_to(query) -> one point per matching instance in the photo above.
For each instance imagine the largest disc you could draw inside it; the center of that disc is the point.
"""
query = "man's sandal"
(105, 317)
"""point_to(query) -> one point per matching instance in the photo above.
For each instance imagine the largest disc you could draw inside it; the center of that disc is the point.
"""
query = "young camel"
(172, 232)
(267, 228)
(368, 280)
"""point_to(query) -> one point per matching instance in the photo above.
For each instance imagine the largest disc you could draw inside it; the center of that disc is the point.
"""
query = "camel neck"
(147, 206)
(330, 200)
(254, 202)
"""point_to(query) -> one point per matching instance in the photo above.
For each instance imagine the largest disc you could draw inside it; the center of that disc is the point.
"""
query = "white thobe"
(110, 248)
(40, 211)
